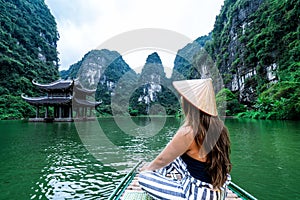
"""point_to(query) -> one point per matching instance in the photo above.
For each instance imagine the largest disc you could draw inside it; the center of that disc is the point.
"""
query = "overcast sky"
(83, 25)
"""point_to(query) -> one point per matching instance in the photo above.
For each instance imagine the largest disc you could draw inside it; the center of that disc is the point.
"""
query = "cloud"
(85, 24)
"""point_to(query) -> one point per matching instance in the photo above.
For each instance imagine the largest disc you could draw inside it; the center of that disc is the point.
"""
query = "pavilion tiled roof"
(82, 90)
(60, 101)
(54, 98)
(87, 103)
(48, 100)
(56, 85)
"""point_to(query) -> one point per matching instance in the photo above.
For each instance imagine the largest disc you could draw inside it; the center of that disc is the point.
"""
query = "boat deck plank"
(134, 191)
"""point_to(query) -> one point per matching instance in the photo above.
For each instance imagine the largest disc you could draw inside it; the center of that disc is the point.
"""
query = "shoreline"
(141, 116)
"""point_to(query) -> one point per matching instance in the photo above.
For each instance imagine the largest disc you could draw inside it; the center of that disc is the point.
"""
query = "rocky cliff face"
(152, 78)
(254, 45)
(154, 87)
(101, 70)
(27, 45)
(230, 47)
(184, 59)
(102, 66)
(119, 86)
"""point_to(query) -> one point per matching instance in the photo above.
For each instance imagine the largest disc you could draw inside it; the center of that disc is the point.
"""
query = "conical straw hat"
(200, 93)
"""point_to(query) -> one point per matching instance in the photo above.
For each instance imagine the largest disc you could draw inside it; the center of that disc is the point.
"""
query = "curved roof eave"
(87, 103)
(58, 84)
(47, 101)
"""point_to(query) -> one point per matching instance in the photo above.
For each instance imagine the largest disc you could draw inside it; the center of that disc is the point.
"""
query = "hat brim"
(200, 93)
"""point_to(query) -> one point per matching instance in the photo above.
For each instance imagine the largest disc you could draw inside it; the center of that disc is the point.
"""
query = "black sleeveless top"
(196, 168)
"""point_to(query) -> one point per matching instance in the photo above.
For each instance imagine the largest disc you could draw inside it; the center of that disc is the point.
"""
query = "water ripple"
(72, 173)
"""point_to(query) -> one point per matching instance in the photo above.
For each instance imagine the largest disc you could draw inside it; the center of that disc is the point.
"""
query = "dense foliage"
(279, 101)
(112, 77)
(258, 43)
(255, 45)
(102, 71)
(27, 51)
(119, 88)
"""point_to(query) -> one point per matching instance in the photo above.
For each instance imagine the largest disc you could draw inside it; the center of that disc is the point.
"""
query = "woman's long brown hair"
(212, 137)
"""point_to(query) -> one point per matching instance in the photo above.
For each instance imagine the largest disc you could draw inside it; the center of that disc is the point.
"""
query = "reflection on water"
(89, 167)
(72, 173)
(54, 161)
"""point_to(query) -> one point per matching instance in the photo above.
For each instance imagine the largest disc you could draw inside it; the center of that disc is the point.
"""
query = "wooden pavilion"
(65, 97)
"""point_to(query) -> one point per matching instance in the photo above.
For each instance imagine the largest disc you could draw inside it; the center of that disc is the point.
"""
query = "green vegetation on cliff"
(119, 88)
(27, 51)
(153, 88)
(256, 46)
(183, 63)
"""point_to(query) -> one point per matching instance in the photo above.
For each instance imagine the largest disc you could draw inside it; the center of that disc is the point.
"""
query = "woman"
(199, 151)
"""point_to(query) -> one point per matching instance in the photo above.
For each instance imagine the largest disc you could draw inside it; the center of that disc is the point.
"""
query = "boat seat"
(134, 195)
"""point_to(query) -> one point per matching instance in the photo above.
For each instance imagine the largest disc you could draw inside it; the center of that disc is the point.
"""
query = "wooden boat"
(129, 189)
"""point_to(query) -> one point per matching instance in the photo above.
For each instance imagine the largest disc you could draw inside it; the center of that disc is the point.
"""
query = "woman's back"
(196, 168)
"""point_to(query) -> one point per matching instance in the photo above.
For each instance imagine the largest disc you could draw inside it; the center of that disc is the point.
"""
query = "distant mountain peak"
(153, 58)
(153, 70)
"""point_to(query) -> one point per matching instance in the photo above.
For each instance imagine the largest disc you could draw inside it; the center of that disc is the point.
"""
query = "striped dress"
(158, 186)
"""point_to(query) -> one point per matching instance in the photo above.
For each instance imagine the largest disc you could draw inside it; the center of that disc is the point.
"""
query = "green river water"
(86, 160)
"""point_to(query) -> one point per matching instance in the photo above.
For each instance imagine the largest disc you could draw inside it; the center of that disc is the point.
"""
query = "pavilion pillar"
(76, 112)
(85, 112)
(70, 112)
(59, 112)
(55, 112)
(46, 113)
(90, 111)
(54, 109)
(37, 112)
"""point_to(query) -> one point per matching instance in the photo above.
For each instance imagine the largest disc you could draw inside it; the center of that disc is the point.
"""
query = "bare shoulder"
(185, 131)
